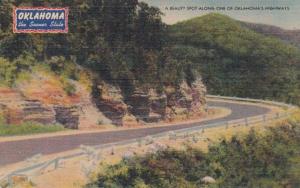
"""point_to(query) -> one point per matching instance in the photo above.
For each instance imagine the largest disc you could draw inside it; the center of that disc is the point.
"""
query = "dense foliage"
(121, 41)
(236, 61)
(269, 160)
(125, 42)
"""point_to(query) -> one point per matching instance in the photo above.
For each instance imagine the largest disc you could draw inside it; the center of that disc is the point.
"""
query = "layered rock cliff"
(38, 103)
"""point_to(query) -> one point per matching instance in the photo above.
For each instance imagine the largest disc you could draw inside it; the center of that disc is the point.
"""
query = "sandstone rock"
(34, 111)
(114, 110)
(149, 107)
(110, 92)
(130, 120)
(9, 96)
(158, 103)
(47, 89)
(2, 111)
(17, 109)
(186, 99)
(189, 96)
(89, 114)
(67, 116)
(14, 116)
(108, 107)
(198, 92)
(154, 117)
(91, 117)
(180, 97)
(208, 180)
(140, 105)
(110, 103)
(29, 111)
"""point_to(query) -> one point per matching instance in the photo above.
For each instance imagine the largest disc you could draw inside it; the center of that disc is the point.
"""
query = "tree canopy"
(122, 41)
(236, 61)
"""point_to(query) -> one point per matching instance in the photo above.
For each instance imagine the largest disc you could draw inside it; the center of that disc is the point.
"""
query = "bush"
(68, 87)
(10, 71)
(7, 72)
(255, 160)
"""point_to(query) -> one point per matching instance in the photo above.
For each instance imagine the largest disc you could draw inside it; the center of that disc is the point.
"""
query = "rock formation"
(17, 109)
(107, 107)
(67, 116)
(111, 103)
(186, 99)
(152, 107)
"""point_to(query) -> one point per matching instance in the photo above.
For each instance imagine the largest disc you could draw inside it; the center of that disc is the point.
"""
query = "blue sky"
(288, 19)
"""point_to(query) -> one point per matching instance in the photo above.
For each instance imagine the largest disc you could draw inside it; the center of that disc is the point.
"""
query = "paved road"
(16, 151)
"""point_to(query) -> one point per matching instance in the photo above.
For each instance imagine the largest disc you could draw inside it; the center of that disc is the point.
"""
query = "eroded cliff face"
(188, 100)
(152, 106)
(110, 102)
(84, 111)
(17, 109)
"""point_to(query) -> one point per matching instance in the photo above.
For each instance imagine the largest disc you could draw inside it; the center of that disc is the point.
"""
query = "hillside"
(290, 36)
(237, 61)
(109, 69)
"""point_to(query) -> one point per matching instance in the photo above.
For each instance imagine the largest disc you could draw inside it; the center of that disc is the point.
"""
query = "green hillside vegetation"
(236, 61)
(253, 160)
(121, 42)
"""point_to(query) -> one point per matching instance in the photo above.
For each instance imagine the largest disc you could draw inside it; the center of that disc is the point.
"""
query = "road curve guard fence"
(94, 152)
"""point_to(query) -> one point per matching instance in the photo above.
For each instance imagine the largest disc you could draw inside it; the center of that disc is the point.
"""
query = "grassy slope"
(28, 128)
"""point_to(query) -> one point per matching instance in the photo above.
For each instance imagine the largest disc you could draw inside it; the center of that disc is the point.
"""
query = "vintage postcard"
(149, 93)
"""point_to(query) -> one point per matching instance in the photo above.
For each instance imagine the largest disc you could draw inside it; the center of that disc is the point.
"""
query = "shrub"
(8, 72)
(68, 87)
(255, 160)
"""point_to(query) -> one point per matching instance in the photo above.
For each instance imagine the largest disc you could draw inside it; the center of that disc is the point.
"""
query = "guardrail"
(94, 153)
(268, 102)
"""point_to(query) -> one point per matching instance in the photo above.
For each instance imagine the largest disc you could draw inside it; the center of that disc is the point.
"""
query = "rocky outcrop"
(114, 110)
(148, 107)
(109, 101)
(139, 103)
(198, 93)
(107, 107)
(16, 109)
(153, 107)
(158, 103)
(186, 99)
(67, 116)
(30, 111)
(2, 110)
(34, 111)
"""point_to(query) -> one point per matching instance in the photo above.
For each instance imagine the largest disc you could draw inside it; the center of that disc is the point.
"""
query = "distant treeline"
(237, 61)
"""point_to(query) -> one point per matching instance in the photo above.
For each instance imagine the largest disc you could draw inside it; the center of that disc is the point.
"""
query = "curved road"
(16, 151)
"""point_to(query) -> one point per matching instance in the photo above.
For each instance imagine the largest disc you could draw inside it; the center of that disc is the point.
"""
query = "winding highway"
(16, 151)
